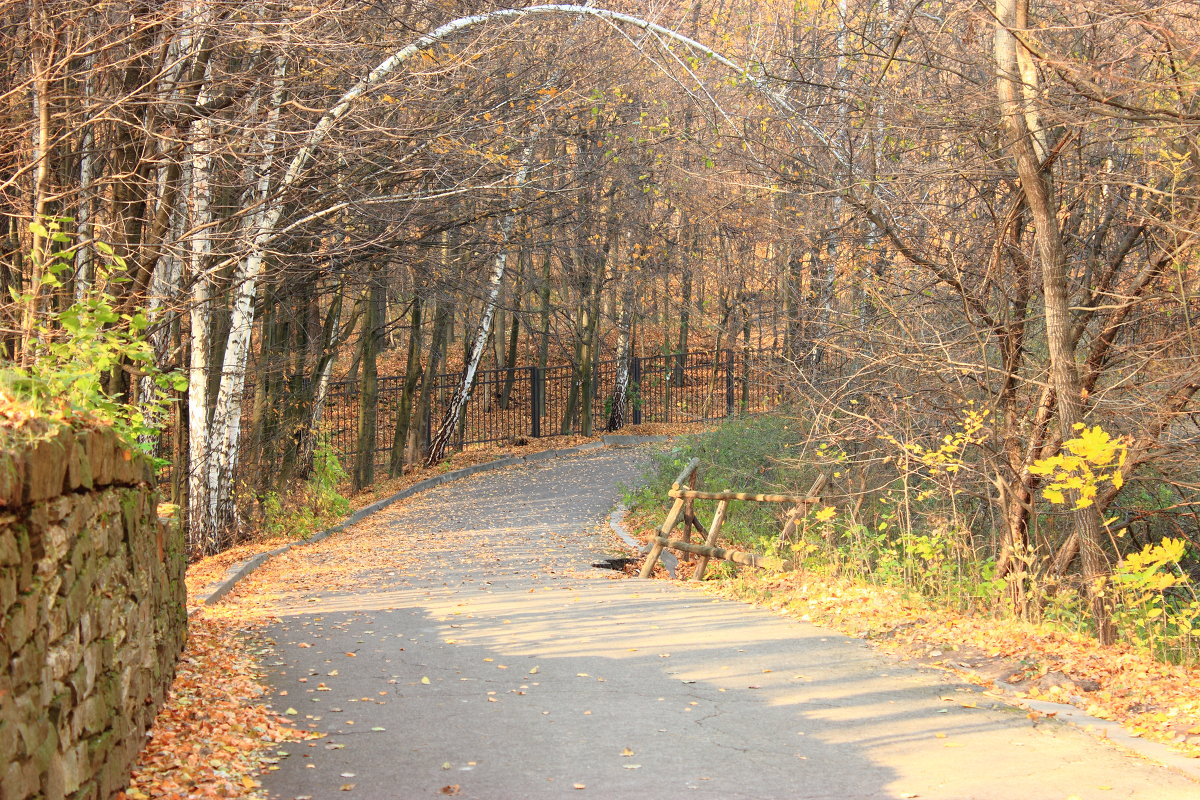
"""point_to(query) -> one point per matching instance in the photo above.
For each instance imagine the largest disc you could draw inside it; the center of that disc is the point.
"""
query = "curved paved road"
(461, 645)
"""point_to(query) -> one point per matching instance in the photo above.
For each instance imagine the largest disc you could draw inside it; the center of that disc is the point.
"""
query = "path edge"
(239, 571)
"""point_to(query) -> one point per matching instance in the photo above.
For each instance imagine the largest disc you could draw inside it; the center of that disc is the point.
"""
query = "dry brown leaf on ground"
(213, 734)
(1160, 702)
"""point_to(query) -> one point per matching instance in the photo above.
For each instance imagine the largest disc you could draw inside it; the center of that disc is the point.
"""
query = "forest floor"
(1157, 701)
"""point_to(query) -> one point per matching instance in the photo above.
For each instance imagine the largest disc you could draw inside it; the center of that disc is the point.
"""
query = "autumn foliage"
(213, 735)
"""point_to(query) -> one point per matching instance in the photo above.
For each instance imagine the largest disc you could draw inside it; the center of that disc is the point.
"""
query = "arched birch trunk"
(213, 444)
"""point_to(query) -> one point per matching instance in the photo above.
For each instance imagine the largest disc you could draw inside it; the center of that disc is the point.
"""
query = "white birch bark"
(200, 319)
(263, 226)
(227, 411)
(87, 177)
(441, 439)
(197, 199)
(620, 396)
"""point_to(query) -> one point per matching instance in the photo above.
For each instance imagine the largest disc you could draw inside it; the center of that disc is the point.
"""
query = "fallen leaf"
(451, 789)
(425, 681)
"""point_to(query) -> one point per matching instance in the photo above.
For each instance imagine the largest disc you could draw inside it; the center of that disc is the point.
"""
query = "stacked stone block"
(92, 613)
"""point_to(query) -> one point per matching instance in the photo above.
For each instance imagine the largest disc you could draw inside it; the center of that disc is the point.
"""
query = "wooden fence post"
(670, 522)
(711, 539)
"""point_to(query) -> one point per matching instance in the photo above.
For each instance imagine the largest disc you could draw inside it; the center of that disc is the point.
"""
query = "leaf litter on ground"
(213, 733)
(1151, 699)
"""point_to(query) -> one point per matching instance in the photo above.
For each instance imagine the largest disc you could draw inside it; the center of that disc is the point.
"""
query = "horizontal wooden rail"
(710, 551)
(685, 474)
(685, 493)
(692, 494)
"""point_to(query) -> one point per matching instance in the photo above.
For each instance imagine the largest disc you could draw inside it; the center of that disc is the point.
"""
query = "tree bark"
(1022, 132)
(412, 375)
(368, 398)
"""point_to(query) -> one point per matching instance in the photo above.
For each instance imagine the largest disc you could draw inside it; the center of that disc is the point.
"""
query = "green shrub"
(73, 350)
(313, 507)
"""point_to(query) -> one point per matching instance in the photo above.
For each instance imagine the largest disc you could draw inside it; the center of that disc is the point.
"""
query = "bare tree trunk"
(441, 439)
(621, 389)
(1023, 133)
(330, 339)
(437, 347)
(510, 360)
(592, 334)
(368, 399)
(203, 538)
(412, 375)
(685, 312)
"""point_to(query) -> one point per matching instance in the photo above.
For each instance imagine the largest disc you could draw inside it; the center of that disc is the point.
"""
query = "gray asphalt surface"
(499, 664)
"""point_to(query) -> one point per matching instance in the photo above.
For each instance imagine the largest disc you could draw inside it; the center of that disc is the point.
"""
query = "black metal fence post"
(537, 380)
(729, 398)
(650, 392)
(635, 380)
(427, 423)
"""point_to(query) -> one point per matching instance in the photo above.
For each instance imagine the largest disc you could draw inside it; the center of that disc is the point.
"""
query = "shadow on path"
(506, 668)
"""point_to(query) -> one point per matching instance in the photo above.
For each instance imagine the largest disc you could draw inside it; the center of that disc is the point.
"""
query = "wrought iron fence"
(532, 402)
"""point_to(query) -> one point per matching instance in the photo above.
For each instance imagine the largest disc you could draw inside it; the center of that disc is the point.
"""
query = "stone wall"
(92, 613)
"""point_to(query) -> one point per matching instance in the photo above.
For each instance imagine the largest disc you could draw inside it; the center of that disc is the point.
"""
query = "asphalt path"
(475, 652)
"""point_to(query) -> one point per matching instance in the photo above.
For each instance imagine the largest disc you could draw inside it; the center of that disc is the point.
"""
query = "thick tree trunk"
(1023, 134)
(368, 396)
(203, 538)
(412, 375)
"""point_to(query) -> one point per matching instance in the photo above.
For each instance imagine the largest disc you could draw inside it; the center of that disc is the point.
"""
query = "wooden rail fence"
(683, 511)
